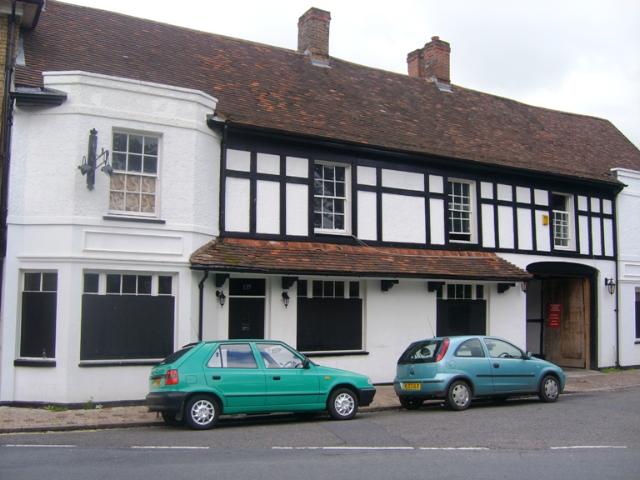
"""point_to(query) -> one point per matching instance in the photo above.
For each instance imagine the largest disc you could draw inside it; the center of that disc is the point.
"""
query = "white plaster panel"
(236, 202)
(607, 207)
(488, 227)
(595, 236)
(523, 194)
(367, 176)
(542, 232)
(525, 237)
(403, 219)
(436, 184)
(608, 236)
(583, 225)
(541, 197)
(297, 167)
(268, 163)
(367, 216)
(486, 190)
(297, 209)
(505, 192)
(583, 204)
(436, 212)
(403, 180)
(267, 207)
(128, 242)
(507, 314)
(239, 160)
(595, 205)
(505, 226)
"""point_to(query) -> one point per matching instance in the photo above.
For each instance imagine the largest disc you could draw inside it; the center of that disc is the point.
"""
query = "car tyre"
(458, 395)
(549, 389)
(410, 403)
(171, 419)
(343, 404)
(202, 412)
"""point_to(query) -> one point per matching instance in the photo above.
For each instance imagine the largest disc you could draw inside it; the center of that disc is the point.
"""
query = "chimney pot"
(313, 33)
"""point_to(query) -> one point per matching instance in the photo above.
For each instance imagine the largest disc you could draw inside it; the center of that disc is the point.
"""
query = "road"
(582, 436)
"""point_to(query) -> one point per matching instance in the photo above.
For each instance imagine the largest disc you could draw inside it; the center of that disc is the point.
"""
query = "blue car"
(459, 369)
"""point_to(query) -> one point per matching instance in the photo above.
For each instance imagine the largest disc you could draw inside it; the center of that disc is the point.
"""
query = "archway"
(562, 313)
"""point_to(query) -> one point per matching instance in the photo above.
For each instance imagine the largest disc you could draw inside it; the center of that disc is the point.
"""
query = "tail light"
(171, 377)
(443, 350)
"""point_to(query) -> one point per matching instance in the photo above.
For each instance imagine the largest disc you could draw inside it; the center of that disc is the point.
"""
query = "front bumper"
(165, 401)
(366, 396)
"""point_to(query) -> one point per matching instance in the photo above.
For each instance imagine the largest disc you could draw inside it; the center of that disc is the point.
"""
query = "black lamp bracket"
(92, 161)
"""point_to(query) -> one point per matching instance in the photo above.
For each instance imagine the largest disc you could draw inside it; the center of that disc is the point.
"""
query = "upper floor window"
(330, 198)
(561, 210)
(461, 202)
(134, 180)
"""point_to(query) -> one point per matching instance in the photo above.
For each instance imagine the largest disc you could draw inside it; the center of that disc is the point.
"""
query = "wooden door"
(568, 345)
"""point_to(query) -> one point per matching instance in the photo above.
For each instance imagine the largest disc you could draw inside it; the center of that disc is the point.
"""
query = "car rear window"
(421, 352)
(175, 356)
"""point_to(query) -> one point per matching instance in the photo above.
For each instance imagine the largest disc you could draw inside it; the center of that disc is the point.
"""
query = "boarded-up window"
(329, 324)
(637, 313)
(38, 326)
(461, 317)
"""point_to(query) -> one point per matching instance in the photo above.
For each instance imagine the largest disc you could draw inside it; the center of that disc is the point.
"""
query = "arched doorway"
(561, 313)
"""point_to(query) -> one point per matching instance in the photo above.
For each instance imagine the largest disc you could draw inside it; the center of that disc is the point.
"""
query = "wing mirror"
(305, 363)
(528, 355)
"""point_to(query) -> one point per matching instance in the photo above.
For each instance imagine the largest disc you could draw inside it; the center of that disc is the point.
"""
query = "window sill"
(122, 218)
(637, 342)
(34, 362)
(118, 363)
(336, 354)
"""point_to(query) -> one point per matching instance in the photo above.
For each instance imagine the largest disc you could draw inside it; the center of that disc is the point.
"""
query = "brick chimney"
(313, 34)
(431, 62)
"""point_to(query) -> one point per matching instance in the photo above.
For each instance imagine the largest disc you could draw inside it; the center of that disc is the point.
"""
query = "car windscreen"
(420, 352)
(176, 355)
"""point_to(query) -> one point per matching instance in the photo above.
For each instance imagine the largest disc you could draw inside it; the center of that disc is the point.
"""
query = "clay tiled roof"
(307, 258)
(263, 86)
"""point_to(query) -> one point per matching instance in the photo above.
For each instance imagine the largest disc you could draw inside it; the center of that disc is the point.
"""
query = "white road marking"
(455, 448)
(587, 447)
(168, 447)
(38, 446)
(343, 448)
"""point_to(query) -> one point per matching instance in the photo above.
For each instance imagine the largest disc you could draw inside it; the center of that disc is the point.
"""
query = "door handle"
(276, 378)
(216, 377)
(496, 365)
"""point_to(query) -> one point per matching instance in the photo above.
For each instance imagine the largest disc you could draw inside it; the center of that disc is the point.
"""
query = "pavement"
(56, 418)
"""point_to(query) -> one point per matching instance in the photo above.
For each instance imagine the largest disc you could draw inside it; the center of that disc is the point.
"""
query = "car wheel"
(343, 404)
(410, 403)
(549, 389)
(170, 419)
(201, 412)
(459, 395)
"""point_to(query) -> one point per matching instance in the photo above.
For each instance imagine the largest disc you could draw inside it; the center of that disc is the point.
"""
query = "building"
(254, 191)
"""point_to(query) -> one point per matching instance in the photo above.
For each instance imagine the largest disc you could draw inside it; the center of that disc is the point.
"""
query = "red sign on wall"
(554, 315)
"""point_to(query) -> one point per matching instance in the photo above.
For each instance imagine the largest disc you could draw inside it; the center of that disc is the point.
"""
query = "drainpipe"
(5, 151)
(201, 303)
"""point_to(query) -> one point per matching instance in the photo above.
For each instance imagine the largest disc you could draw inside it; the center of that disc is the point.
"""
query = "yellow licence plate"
(156, 382)
(411, 386)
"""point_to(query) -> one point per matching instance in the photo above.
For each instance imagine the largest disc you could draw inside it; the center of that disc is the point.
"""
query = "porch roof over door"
(310, 258)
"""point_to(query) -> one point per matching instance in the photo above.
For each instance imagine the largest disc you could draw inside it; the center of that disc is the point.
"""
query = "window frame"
(347, 199)
(141, 174)
(21, 326)
(472, 213)
(570, 223)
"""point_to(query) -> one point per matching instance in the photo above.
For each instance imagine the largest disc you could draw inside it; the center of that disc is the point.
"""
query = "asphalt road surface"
(582, 436)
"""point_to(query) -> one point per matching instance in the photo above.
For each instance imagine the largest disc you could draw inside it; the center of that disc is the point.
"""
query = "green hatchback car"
(202, 381)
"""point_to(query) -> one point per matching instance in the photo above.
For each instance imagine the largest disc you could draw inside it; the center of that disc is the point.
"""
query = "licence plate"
(411, 386)
(156, 382)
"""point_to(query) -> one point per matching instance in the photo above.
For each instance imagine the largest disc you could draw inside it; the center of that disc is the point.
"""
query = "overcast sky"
(580, 56)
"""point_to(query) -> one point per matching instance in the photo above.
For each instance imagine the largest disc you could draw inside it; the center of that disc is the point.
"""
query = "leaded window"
(133, 186)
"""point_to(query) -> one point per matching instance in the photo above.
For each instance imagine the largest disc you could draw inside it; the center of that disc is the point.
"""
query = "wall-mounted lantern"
(610, 284)
(90, 162)
(524, 286)
(285, 299)
(221, 297)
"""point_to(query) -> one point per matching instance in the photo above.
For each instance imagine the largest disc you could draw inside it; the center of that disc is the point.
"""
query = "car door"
(511, 371)
(233, 371)
(288, 384)
(471, 359)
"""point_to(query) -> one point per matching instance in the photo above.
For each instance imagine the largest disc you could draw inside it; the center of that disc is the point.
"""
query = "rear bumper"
(366, 396)
(428, 389)
(165, 401)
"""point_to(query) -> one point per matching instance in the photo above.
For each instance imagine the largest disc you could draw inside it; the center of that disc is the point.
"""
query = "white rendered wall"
(56, 224)
(403, 219)
(627, 208)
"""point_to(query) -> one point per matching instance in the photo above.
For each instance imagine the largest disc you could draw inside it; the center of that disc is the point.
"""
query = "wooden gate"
(567, 344)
